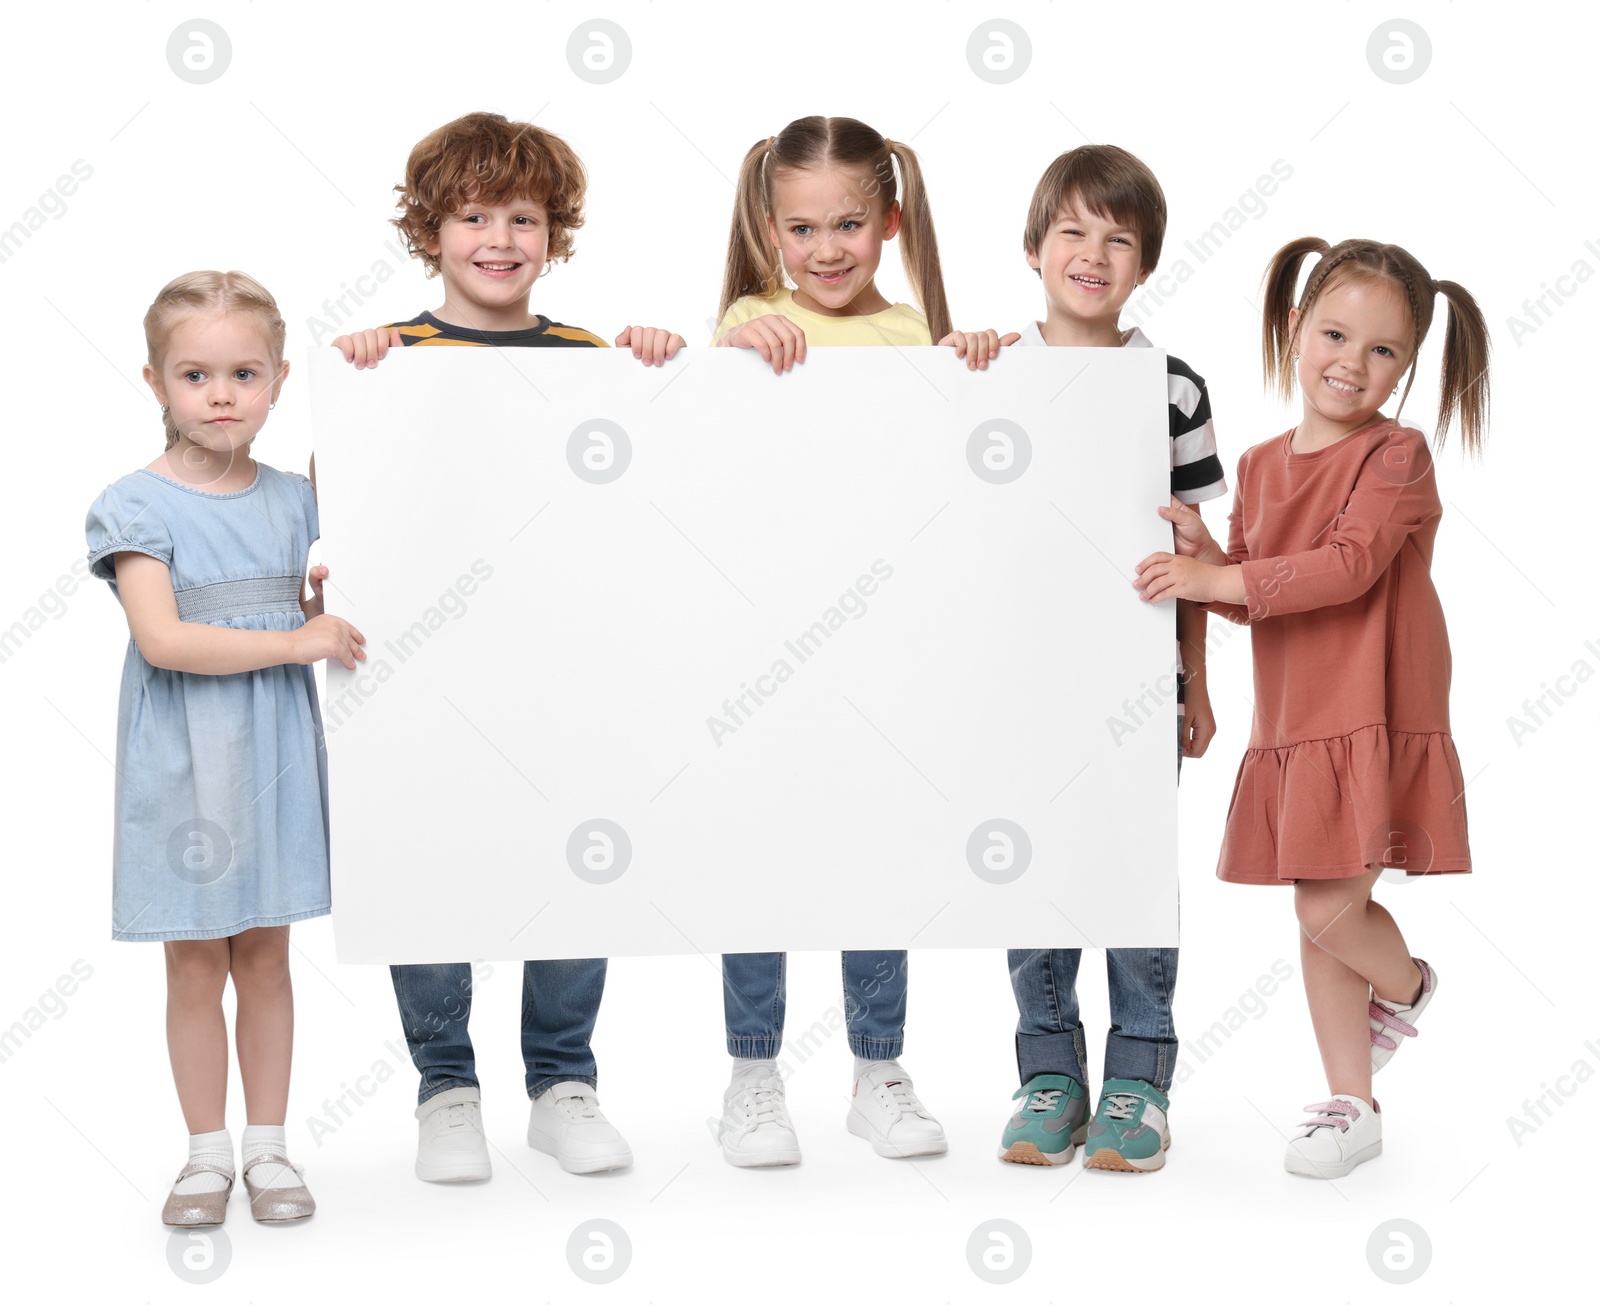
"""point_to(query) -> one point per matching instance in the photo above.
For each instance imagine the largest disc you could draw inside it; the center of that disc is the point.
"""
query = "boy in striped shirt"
(1094, 234)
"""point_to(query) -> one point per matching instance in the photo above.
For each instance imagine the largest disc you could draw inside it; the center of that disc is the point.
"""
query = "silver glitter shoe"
(200, 1209)
(272, 1204)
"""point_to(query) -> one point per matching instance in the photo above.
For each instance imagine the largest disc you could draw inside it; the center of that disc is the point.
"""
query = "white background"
(283, 167)
(985, 637)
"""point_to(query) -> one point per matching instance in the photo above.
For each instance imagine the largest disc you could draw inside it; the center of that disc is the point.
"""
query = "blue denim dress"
(222, 780)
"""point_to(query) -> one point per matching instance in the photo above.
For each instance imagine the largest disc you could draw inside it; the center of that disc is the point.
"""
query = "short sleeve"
(124, 520)
(1196, 468)
(308, 503)
(739, 312)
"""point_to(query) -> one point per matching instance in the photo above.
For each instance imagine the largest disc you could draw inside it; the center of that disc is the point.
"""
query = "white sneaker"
(1341, 1134)
(1390, 1021)
(450, 1143)
(566, 1121)
(755, 1128)
(884, 1109)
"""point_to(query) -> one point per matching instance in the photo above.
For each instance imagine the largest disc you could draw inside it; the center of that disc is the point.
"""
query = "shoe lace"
(1330, 1114)
(1120, 1105)
(1044, 1100)
(901, 1093)
(1385, 1016)
(762, 1103)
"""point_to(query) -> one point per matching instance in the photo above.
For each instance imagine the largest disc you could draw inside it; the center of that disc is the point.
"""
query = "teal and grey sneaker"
(1129, 1130)
(1048, 1124)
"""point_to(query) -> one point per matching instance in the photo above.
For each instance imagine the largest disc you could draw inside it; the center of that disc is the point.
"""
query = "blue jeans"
(1141, 1043)
(753, 1001)
(560, 1000)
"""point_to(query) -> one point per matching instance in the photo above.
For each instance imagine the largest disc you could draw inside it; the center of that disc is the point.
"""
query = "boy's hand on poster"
(1165, 575)
(329, 638)
(1199, 725)
(650, 343)
(978, 347)
(778, 340)
(1190, 538)
(367, 348)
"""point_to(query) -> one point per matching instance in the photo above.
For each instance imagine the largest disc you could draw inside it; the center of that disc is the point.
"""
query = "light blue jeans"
(560, 1000)
(754, 999)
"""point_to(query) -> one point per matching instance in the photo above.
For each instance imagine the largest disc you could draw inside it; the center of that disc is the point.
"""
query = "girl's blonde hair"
(1464, 375)
(754, 267)
(231, 292)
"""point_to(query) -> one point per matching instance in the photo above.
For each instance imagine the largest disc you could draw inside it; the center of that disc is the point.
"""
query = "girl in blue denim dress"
(221, 829)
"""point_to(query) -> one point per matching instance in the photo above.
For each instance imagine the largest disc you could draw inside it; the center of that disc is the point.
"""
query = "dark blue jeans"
(560, 1000)
(754, 998)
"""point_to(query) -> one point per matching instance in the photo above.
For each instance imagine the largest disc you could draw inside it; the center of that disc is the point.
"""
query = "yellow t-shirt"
(896, 324)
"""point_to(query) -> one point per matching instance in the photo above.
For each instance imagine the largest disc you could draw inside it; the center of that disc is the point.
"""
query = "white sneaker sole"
(761, 1159)
(1298, 1164)
(463, 1169)
(587, 1164)
(892, 1150)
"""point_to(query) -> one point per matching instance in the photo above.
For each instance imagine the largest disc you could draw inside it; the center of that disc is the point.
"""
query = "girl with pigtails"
(819, 202)
(1350, 767)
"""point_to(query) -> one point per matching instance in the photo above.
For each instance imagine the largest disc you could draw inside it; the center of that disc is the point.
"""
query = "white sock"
(752, 1067)
(266, 1139)
(863, 1064)
(213, 1148)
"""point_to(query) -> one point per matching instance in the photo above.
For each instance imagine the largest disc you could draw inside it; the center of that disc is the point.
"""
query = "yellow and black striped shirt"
(428, 329)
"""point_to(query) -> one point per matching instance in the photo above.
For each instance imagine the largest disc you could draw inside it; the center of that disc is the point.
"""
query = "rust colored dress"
(1350, 762)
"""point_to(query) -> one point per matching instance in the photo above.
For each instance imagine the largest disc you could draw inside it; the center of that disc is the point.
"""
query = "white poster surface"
(701, 658)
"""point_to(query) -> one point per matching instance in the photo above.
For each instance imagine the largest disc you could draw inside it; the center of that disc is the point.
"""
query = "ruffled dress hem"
(1331, 808)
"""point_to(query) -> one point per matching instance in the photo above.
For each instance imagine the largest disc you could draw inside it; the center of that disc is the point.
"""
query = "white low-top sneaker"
(566, 1121)
(1390, 1021)
(450, 1142)
(1341, 1133)
(884, 1109)
(755, 1128)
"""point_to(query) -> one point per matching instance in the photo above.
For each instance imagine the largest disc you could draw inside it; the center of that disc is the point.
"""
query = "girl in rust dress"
(1350, 767)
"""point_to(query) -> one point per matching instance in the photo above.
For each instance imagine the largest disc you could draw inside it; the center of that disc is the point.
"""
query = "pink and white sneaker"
(1390, 1021)
(1342, 1133)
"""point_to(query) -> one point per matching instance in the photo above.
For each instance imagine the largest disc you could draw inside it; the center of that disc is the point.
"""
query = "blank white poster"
(701, 658)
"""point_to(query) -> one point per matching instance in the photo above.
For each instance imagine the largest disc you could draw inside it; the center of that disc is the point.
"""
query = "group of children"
(222, 802)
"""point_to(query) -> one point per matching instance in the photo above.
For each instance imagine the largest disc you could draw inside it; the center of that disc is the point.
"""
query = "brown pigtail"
(1464, 374)
(1277, 341)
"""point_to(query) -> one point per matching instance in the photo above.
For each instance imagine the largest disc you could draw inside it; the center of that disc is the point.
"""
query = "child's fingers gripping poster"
(708, 660)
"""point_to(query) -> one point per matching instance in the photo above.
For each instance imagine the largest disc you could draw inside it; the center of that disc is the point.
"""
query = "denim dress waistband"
(228, 599)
